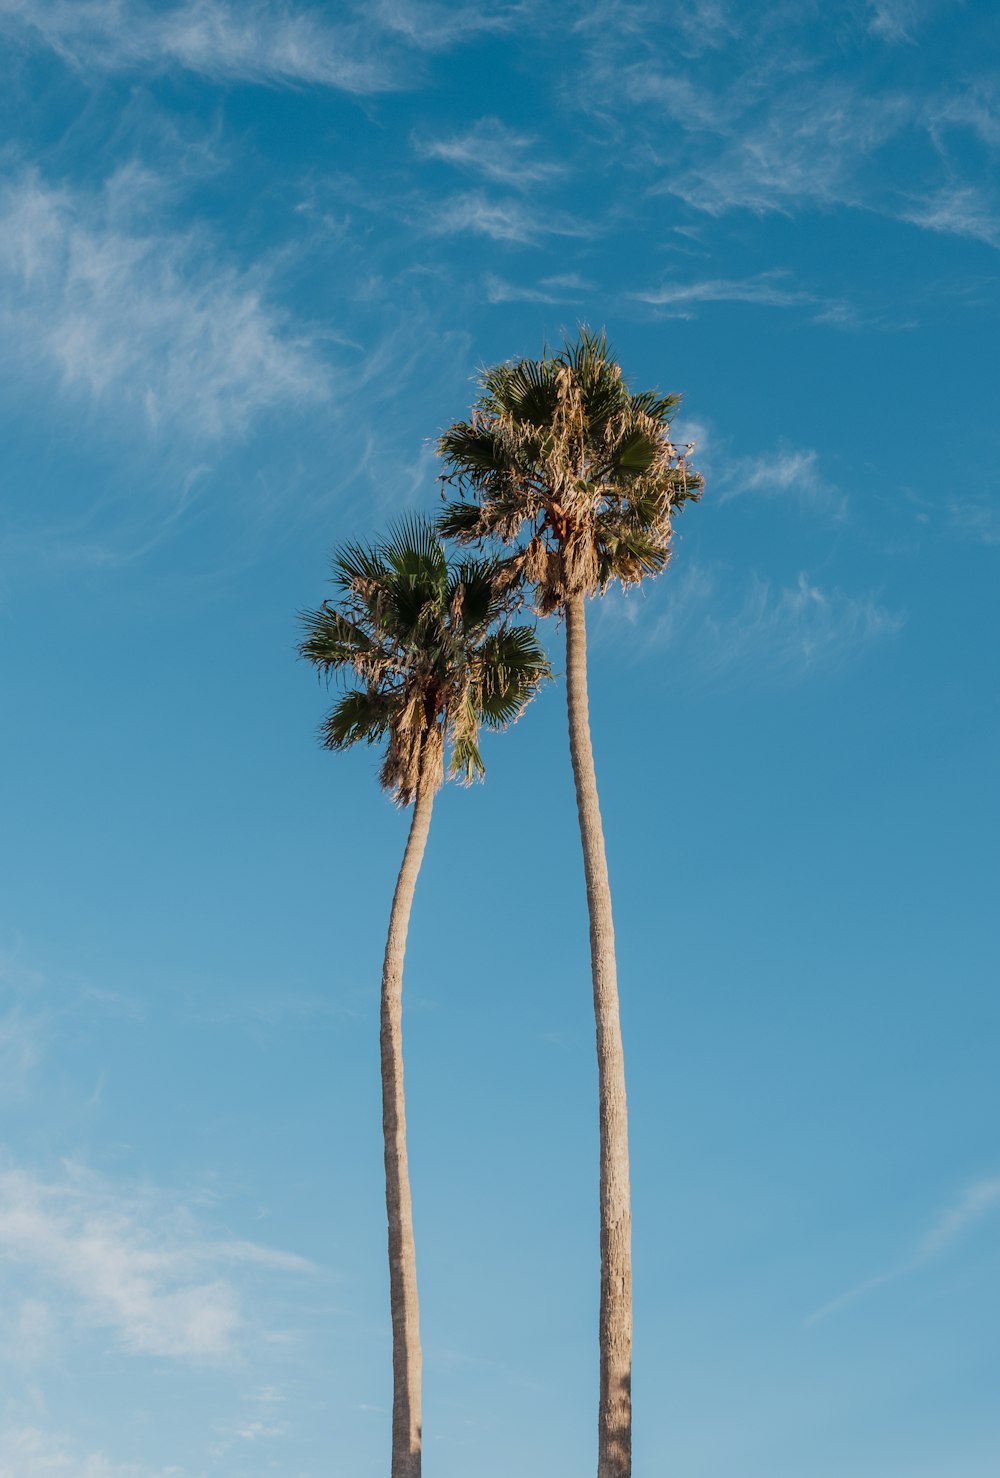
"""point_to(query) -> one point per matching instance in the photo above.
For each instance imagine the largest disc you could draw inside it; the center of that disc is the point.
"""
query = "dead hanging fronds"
(414, 755)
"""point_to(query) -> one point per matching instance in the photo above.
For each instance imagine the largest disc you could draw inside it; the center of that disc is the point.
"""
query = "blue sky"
(250, 260)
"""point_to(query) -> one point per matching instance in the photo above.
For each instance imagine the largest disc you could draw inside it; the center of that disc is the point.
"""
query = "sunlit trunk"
(406, 1360)
(614, 1439)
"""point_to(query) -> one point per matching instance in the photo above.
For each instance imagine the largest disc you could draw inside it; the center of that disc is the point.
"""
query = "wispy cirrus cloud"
(957, 210)
(766, 289)
(254, 42)
(787, 632)
(810, 143)
(820, 147)
(24, 1023)
(975, 519)
(489, 148)
(703, 25)
(567, 288)
(135, 1262)
(771, 289)
(27, 1451)
(508, 220)
(145, 322)
(899, 21)
(974, 1205)
(433, 25)
(785, 472)
(766, 120)
(21, 1035)
(260, 41)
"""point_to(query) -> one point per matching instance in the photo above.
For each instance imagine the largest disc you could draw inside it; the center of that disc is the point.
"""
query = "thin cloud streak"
(959, 210)
(975, 1203)
(787, 471)
(430, 26)
(490, 149)
(501, 220)
(766, 290)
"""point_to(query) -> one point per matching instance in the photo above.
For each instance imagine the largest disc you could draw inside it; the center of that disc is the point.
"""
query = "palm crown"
(431, 651)
(562, 445)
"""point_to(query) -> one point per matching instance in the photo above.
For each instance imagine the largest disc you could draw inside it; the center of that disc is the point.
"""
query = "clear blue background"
(250, 260)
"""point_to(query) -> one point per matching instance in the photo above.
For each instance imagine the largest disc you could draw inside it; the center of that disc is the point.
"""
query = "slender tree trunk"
(406, 1361)
(614, 1425)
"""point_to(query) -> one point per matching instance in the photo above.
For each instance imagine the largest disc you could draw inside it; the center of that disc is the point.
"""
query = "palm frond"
(466, 763)
(460, 521)
(356, 562)
(360, 715)
(511, 668)
(412, 547)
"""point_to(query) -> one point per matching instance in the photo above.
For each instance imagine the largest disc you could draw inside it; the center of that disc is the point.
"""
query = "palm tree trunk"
(406, 1361)
(614, 1426)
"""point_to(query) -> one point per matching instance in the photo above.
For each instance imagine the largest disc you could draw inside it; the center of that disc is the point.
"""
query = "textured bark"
(614, 1428)
(406, 1359)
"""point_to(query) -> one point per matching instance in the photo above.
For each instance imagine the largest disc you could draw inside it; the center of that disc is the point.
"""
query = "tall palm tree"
(428, 654)
(563, 461)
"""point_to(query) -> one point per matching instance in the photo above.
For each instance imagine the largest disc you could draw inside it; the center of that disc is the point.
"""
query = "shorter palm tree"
(428, 655)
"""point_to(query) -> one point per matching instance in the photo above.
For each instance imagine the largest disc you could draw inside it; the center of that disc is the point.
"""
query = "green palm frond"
(460, 521)
(332, 641)
(466, 762)
(359, 717)
(414, 552)
(354, 562)
(511, 668)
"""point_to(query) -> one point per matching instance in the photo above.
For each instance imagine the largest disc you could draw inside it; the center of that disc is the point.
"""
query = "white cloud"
(28, 1452)
(499, 290)
(501, 220)
(135, 1263)
(786, 631)
(975, 520)
(957, 210)
(796, 628)
(899, 20)
(702, 25)
(256, 41)
(431, 26)
(249, 42)
(148, 325)
(976, 1202)
(976, 107)
(489, 148)
(786, 471)
(766, 289)
(808, 143)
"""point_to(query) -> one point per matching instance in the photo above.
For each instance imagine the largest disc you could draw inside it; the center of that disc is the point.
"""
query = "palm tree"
(428, 655)
(563, 461)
